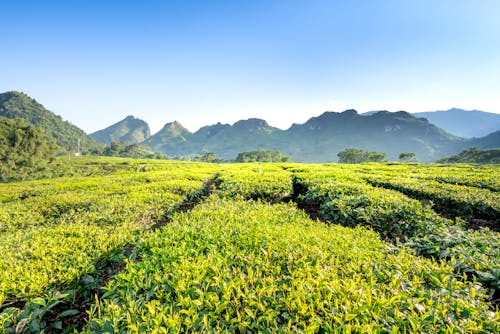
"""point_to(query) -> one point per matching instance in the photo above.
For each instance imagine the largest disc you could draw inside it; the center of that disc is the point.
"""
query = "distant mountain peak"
(349, 112)
(211, 130)
(175, 125)
(250, 125)
(130, 129)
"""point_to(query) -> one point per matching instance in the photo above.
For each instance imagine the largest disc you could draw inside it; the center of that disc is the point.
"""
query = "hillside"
(464, 123)
(317, 140)
(19, 105)
(131, 130)
(474, 156)
(490, 141)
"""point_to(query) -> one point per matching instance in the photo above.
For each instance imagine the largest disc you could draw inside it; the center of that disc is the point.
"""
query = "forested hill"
(19, 105)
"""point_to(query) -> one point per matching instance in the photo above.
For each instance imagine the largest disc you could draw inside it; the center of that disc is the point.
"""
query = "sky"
(201, 62)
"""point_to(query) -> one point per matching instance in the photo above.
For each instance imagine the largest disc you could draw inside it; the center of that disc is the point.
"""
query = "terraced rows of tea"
(158, 247)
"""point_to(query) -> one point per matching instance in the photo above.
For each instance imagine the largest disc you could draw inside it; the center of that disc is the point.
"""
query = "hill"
(490, 141)
(130, 130)
(317, 140)
(474, 156)
(464, 123)
(19, 105)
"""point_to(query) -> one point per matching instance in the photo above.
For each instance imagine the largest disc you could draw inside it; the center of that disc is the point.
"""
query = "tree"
(263, 156)
(356, 156)
(407, 157)
(208, 157)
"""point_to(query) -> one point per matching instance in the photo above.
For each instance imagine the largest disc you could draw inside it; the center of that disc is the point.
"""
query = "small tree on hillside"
(407, 157)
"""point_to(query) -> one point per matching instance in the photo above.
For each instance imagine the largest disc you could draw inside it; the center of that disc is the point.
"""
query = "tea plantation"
(113, 245)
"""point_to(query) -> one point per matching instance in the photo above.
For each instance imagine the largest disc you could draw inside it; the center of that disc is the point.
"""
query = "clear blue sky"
(199, 62)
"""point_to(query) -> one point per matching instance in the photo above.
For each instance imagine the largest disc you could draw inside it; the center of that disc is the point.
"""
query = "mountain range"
(317, 140)
(320, 138)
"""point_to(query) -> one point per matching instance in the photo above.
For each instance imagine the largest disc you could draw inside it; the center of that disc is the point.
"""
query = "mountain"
(317, 140)
(131, 130)
(19, 105)
(244, 135)
(169, 139)
(464, 123)
(322, 137)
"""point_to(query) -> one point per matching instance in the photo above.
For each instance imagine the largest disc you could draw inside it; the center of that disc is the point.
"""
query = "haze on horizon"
(200, 62)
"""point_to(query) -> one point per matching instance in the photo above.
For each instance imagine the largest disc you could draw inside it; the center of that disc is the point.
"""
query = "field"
(120, 245)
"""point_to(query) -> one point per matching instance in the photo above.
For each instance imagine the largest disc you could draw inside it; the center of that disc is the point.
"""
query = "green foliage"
(407, 157)
(255, 181)
(263, 156)
(54, 233)
(474, 156)
(33, 318)
(115, 239)
(24, 149)
(452, 199)
(356, 156)
(343, 197)
(243, 266)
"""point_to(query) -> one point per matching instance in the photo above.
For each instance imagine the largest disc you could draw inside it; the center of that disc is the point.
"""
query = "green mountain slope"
(131, 130)
(474, 156)
(19, 105)
(490, 141)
